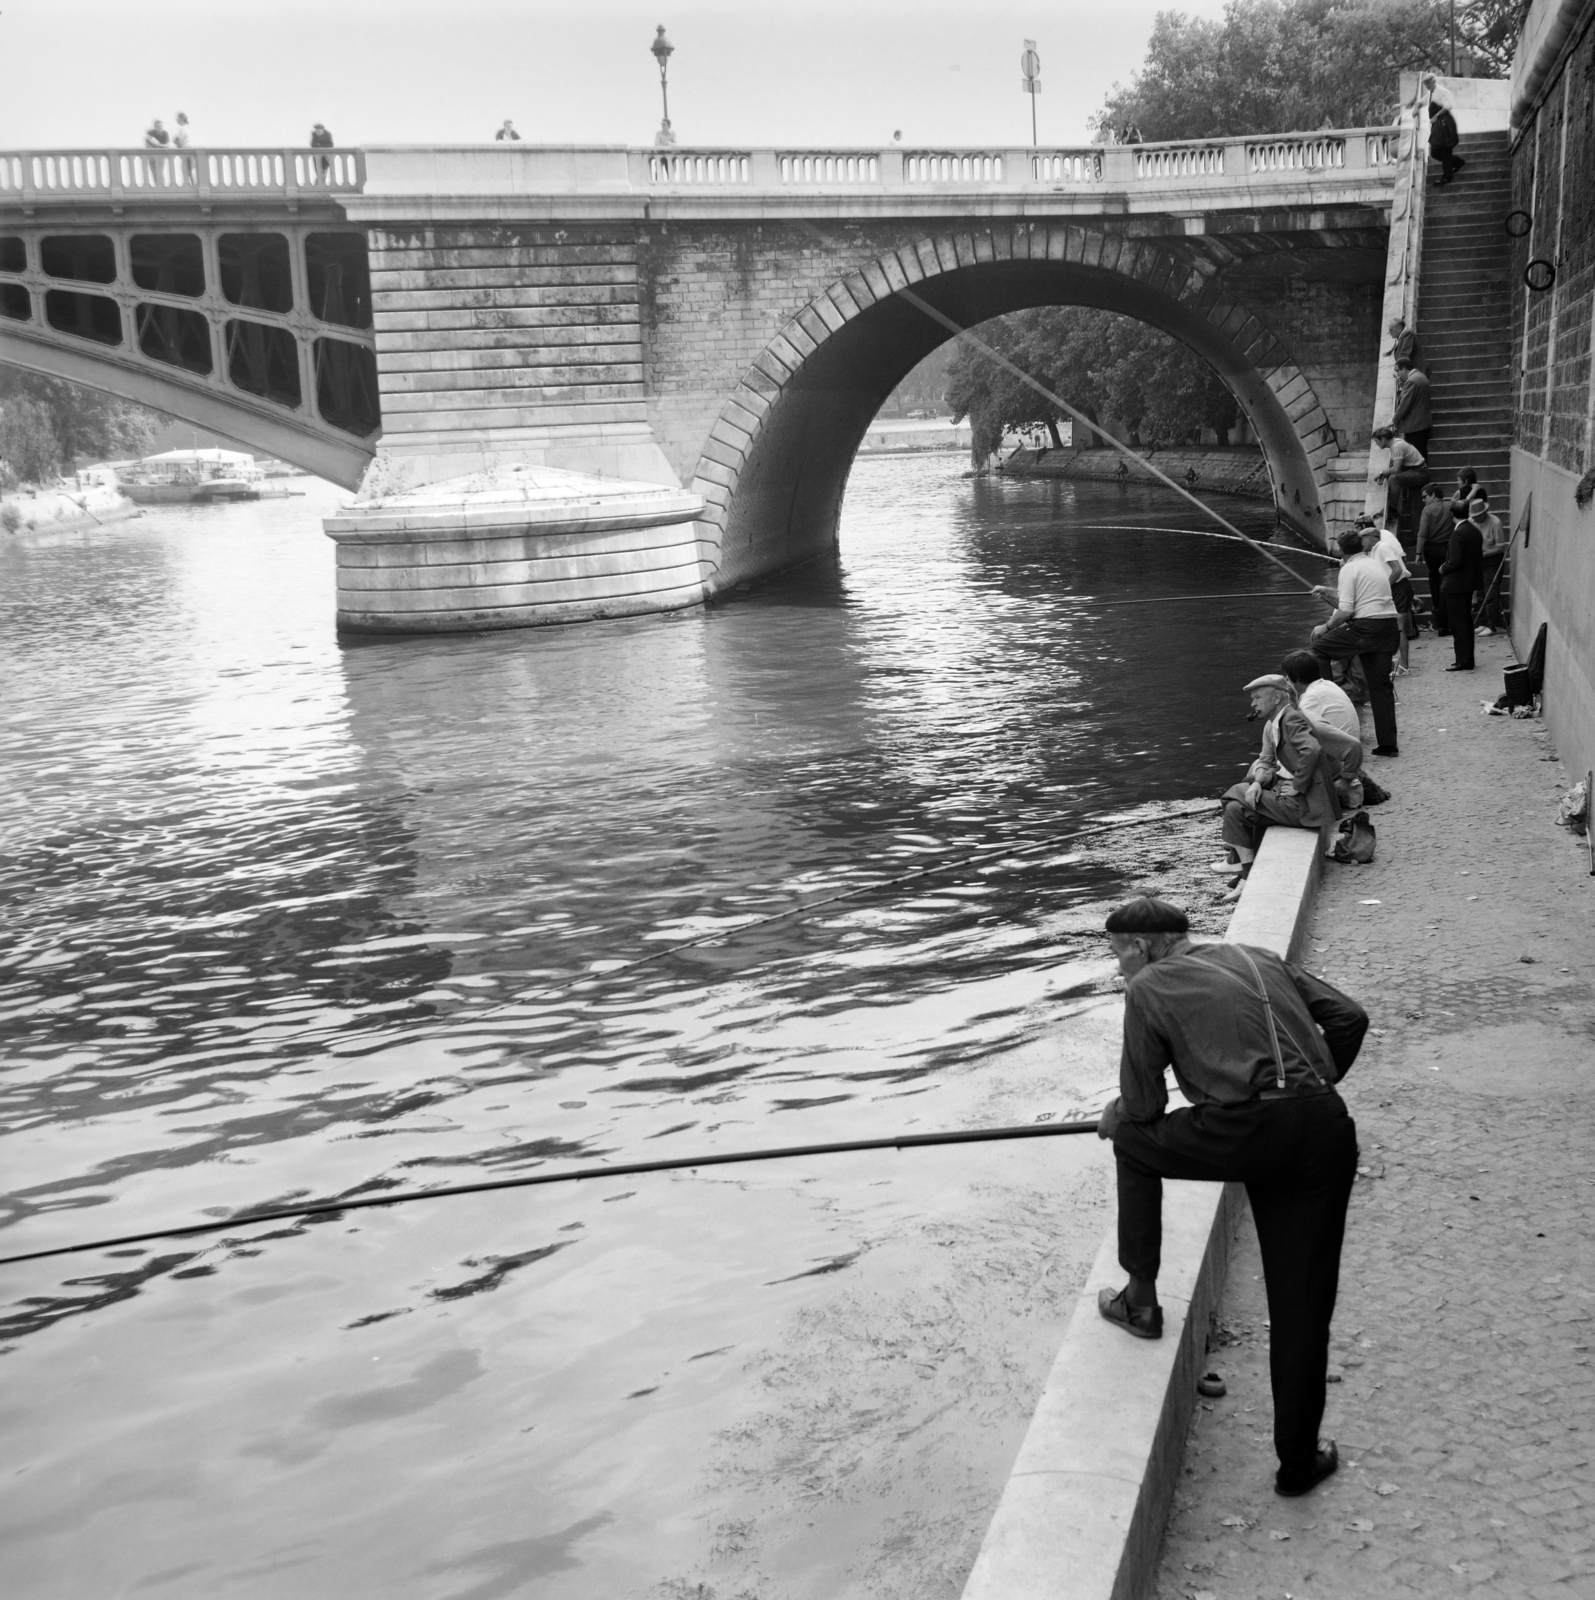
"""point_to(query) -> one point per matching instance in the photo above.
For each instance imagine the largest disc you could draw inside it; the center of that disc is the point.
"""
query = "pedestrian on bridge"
(508, 132)
(1257, 1045)
(156, 137)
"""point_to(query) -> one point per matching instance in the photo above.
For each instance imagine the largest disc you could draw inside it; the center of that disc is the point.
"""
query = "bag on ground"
(1357, 839)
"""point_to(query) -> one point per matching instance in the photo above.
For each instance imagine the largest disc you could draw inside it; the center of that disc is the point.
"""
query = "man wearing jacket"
(1461, 575)
(1414, 418)
(1290, 784)
(1257, 1045)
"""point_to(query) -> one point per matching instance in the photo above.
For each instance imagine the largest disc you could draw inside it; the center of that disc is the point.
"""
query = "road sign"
(1030, 66)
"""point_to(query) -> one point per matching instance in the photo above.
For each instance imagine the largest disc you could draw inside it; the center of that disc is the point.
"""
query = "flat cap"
(1146, 915)
(1270, 680)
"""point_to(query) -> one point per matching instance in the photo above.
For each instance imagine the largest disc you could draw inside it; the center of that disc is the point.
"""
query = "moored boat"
(190, 477)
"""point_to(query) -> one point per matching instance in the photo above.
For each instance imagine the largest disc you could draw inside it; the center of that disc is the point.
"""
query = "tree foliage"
(1113, 368)
(28, 443)
(80, 422)
(1276, 66)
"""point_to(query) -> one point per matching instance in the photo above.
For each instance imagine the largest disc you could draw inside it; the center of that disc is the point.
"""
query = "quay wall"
(1242, 472)
(1553, 431)
(60, 510)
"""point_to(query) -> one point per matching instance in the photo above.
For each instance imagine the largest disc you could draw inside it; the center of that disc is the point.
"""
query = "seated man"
(1287, 784)
(1406, 475)
(1257, 1046)
(1333, 720)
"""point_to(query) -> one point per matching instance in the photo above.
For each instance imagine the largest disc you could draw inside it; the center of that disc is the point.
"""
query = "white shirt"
(1389, 551)
(1325, 701)
(1365, 588)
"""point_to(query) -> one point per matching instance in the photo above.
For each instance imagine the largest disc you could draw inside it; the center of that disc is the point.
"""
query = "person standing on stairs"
(1405, 345)
(1434, 545)
(1443, 134)
(1461, 576)
(1495, 543)
(1414, 418)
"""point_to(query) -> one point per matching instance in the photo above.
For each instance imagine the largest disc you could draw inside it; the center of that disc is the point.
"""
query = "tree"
(1274, 66)
(83, 421)
(1112, 368)
(28, 443)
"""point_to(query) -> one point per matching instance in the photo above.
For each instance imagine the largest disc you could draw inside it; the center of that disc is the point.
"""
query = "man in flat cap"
(1257, 1045)
(1291, 783)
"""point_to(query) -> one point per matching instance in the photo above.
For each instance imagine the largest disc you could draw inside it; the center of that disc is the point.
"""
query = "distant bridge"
(726, 319)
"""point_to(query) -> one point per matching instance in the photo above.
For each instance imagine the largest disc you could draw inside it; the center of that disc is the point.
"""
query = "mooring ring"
(1511, 224)
(1539, 274)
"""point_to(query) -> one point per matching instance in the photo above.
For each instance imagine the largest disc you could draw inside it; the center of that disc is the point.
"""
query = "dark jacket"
(1412, 406)
(1406, 349)
(1463, 569)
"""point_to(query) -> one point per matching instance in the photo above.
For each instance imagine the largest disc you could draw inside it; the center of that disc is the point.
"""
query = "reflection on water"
(270, 898)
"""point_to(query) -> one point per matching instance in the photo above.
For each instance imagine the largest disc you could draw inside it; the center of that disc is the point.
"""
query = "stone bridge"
(723, 320)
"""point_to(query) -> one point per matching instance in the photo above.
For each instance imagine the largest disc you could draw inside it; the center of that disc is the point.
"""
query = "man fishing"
(1257, 1045)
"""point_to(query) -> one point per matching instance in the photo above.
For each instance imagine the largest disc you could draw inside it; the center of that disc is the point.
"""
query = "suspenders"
(1273, 1033)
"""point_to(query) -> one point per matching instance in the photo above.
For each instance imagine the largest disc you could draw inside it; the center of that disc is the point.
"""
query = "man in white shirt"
(1383, 545)
(1333, 719)
(1364, 624)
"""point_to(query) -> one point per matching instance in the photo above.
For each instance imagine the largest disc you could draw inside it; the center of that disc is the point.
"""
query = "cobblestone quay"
(1466, 1405)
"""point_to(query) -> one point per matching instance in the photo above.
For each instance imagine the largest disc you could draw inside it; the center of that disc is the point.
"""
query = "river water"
(294, 917)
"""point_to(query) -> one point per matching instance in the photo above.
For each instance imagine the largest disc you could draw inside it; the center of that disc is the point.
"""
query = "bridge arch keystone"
(774, 466)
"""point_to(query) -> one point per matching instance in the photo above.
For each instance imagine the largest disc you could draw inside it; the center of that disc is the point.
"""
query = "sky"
(84, 73)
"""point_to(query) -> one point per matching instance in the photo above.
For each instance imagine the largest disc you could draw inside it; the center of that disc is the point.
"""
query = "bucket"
(1517, 686)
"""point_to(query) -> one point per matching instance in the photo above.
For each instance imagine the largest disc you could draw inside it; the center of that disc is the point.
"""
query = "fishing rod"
(1194, 533)
(1170, 599)
(333, 1208)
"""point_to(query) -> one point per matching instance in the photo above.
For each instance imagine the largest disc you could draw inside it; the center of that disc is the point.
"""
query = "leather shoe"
(1142, 1322)
(1386, 750)
(1304, 1480)
(1459, 669)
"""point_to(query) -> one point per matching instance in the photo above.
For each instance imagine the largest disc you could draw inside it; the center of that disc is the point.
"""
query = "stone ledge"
(1083, 1512)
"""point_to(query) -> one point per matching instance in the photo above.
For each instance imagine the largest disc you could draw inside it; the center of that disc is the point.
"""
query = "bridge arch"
(313, 448)
(774, 468)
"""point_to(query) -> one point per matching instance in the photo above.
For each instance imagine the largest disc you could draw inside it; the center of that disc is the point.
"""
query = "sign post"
(1030, 66)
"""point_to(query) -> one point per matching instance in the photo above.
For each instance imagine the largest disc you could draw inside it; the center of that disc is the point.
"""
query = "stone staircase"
(1463, 319)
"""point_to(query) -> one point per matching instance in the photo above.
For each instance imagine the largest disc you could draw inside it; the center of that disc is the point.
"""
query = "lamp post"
(662, 50)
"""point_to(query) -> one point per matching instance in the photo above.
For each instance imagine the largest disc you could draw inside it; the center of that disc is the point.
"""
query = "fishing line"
(1195, 533)
(1169, 599)
(333, 1208)
(961, 332)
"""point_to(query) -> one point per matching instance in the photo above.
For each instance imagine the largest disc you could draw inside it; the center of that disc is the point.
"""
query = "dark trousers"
(1244, 825)
(1433, 555)
(1298, 1160)
(1494, 614)
(1459, 612)
(1372, 640)
(1449, 162)
(1418, 438)
(1402, 493)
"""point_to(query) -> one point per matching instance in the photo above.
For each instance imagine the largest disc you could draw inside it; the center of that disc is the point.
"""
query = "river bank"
(1240, 471)
(1462, 1341)
(56, 510)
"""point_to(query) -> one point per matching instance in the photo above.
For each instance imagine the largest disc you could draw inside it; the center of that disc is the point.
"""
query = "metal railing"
(62, 175)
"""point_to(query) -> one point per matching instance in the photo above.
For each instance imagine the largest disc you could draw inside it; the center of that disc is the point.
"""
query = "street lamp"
(662, 51)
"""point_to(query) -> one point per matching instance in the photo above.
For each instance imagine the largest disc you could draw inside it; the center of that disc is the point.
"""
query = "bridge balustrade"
(830, 166)
(1067, 166)
(1295, 155)
(700, 167)
(63, 175)
(953, 166)
(1179, 161)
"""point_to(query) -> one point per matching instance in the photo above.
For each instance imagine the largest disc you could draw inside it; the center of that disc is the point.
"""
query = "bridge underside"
(1301, 366)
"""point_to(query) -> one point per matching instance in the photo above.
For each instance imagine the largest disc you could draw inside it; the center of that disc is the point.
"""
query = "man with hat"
(1257, 1045)
(1290, 782)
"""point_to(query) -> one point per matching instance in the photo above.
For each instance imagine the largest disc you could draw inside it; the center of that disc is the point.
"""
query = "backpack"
(1356, 841)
